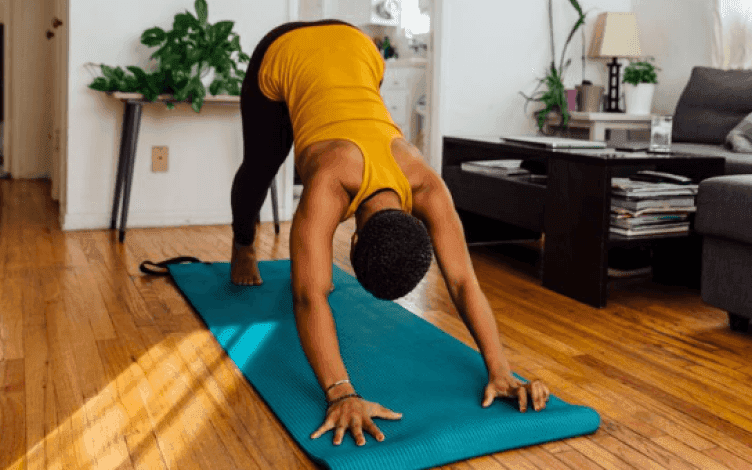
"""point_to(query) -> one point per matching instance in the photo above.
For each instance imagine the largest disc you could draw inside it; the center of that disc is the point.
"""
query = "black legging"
(267, 140)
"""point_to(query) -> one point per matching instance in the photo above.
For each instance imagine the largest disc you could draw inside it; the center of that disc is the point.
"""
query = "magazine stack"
(640, 208)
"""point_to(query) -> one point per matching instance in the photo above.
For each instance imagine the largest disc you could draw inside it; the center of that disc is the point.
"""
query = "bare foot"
(243, 266)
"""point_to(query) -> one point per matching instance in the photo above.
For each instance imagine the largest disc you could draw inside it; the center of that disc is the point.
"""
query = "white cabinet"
(358, 12)
(404, 83)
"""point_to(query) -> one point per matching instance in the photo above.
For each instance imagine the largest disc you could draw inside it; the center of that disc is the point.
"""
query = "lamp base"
(612, 100)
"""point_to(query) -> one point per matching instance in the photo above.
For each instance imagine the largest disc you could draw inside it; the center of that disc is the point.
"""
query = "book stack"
(641, 208)
(495, 167)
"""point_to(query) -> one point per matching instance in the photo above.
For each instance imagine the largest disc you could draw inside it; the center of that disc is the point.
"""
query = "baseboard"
(99, 221)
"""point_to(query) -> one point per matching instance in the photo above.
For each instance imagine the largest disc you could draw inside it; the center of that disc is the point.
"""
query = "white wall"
(679, 36)
(490, 51)
(493, 50)
(205, 149)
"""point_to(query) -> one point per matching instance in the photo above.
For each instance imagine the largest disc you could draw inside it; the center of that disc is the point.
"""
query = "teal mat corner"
(393, 357)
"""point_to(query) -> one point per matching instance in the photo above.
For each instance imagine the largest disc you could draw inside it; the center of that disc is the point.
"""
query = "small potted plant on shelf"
(193, 56)
(640, 79)
(554, 97)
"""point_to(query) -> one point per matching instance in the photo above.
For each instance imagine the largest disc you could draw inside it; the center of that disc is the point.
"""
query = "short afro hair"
(392, 254)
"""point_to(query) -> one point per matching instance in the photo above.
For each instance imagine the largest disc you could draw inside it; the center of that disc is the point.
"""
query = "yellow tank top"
(329, 76)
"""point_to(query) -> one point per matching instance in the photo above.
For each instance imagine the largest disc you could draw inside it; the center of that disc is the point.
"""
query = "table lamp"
(615, 36)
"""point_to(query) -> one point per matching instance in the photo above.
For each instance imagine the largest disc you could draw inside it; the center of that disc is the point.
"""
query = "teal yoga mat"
(393, 357)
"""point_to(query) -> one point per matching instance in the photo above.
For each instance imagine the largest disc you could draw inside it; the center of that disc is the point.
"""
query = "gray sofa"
(712, 104)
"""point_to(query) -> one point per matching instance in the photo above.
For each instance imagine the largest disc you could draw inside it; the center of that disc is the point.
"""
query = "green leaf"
(170, 105)
(202, 10)
(181, 92)
(576, 6)
(129, 84)
(153, 37)
(139, 73)
(183, 22)
(119, 73)
(235, 44)
(101, 84)
(216, 87)
(223, 30)
(155, 83)
(109, 72)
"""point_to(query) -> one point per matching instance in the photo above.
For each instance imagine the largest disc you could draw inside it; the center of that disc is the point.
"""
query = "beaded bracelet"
(335, 384)
(343, 397)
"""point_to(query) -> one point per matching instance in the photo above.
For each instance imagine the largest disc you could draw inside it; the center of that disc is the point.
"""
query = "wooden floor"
(102, 367)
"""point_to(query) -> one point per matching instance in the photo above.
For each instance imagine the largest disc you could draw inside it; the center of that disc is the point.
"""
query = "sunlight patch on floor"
(150, 414)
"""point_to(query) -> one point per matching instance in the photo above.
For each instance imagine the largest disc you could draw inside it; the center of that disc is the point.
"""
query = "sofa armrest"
(723, 207)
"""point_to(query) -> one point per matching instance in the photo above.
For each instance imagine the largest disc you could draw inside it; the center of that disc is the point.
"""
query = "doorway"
(414, 37)
(3, 174)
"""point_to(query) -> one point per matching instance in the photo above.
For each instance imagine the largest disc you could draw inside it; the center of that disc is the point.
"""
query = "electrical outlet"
(159, 159)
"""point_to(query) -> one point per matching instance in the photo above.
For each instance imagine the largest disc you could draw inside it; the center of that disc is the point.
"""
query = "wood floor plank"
(657, 413)
(596, 453)
(12, 295)
(272, 442)
(223, 450)
(234, 435)
(729, 459)
(51, 423)
(698, 459)
(672, 383)
(131, 420)
(733, 423)
(577, 461)
(176, 407)
(12, 416)
(36, 379)
(121, 296)
(628, 454)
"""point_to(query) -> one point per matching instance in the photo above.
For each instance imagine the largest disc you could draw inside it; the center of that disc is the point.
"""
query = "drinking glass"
(660, 133)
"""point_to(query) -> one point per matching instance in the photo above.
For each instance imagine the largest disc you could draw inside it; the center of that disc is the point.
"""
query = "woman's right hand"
(354, 414)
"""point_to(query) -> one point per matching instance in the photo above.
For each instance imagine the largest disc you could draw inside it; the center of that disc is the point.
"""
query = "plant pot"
(589, 98)
(639, 98)
(207, 77)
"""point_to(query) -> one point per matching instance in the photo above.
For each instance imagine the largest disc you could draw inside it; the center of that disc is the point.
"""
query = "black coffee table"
(576, 213)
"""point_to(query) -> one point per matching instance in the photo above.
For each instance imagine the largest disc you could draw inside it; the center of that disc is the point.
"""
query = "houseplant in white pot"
(640, 79)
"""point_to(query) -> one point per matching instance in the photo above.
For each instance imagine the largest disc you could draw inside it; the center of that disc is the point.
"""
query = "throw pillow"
(713, 102)
(740, 137)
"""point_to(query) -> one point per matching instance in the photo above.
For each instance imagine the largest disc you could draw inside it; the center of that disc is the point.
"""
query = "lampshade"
(615, 35)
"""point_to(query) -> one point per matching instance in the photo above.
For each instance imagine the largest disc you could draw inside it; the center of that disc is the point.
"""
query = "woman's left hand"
(507, 386)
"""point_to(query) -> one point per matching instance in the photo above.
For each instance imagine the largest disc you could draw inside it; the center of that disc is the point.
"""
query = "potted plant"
(554, 96)
(192, 50)
(640, 79)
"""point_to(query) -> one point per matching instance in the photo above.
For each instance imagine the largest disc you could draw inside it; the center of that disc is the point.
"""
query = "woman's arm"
(311, 235)
(433, 204)
(321, 206)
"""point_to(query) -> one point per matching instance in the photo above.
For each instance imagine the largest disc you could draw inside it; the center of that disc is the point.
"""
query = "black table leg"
(577, 229)
(131, 133)
(275, 209)
(121, 167)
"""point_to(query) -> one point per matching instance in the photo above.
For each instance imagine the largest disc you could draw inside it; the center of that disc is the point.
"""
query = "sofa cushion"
(736, 163)
(713, 102)
(723, 207)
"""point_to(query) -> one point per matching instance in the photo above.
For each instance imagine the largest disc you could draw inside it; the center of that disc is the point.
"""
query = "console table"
(598, 123)
(133, 104)
(572, 209)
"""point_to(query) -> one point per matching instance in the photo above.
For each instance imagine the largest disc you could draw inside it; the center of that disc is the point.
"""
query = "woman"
(317, 85)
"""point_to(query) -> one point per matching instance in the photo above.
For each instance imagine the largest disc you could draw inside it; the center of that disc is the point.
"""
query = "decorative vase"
(207, 77)
(589, 98)
(639, 98)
